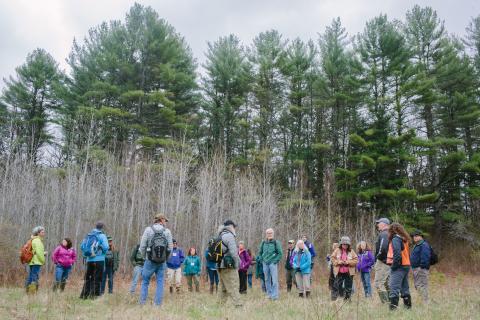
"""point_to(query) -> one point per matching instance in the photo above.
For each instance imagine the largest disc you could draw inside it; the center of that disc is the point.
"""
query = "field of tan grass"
(452, 298)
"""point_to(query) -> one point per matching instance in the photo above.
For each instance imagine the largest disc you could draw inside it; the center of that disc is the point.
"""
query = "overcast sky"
(52, 24)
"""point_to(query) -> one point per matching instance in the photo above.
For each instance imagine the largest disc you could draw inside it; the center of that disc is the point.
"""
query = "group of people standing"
(158, 253)
(100, 268)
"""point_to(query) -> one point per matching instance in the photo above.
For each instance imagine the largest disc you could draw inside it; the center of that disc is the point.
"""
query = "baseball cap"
(383, 220)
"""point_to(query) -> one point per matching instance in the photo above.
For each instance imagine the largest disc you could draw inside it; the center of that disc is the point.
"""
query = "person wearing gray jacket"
(150, 267)
(228, 268)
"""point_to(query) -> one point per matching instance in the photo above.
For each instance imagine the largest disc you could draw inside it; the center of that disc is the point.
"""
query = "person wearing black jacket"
(420, 260)
(398, 258)
(382, 270)
(289, 271)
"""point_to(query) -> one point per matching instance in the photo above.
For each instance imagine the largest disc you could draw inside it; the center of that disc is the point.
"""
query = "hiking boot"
(289, 288)
(189, 289)
(211, 288)
(197, 288)
(171, 289)
(383, 296)
(394, 303)
(407, 301)
(307, 294)
(56, 286)
(300, 294)
(216, 288)
(62, 285)
(178, 290)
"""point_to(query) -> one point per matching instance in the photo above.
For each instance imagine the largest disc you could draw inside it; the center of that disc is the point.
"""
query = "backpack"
(26, 252)
(215, 250)
(433, 256)
(90, 245)
(109, 256)
(158, 248)
(276, 248)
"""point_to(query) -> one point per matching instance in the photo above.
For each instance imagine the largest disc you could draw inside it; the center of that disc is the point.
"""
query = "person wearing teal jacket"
(302, 264)
(271, 252)
(38, 260)
(191, 269)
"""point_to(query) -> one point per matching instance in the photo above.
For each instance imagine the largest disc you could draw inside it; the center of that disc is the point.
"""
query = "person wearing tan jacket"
(344, 261)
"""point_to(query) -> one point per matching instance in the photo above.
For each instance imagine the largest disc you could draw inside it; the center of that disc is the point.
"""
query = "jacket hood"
(222, 228)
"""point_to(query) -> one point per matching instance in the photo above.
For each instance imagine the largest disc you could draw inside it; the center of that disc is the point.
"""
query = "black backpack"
(215, 249)
(158, 248)
(433, 256)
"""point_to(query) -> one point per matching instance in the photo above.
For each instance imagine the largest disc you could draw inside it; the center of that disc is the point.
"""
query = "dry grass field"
(453, 297)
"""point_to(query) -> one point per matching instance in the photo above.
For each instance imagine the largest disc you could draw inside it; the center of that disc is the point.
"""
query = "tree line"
(346, 127)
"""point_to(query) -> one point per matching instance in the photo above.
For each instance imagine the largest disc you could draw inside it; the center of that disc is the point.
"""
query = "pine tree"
(31, 99)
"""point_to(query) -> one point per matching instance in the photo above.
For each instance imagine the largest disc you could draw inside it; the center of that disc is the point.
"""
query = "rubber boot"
(383, 296)
(171, 289)
(300, 294)
(407, 301)
(56, 286)
(211, 288)
(62, 285)
(307, 294)
(31, 289)
(394, 303)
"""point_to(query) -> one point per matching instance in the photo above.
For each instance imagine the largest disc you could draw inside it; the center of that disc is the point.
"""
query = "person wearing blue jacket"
(302, 264)
(95, 265)
(174, 270)
(420, 261)
(310, 247)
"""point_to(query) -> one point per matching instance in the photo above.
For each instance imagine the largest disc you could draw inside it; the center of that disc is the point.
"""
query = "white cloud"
(52, 25)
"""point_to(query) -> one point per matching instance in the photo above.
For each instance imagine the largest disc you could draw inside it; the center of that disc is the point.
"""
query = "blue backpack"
(90, 245)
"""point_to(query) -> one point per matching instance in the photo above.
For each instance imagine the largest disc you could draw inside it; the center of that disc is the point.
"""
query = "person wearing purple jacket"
(365, 264)
(245, 261)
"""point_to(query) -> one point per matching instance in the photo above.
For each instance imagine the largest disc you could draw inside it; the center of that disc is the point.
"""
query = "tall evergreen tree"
(30, 101)
(226, 86)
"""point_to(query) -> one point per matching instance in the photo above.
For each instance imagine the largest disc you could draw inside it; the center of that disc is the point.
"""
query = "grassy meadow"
(453, 297)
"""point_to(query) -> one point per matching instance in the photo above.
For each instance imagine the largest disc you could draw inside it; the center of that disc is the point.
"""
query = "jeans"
(249, 280)
(149, 268)
(137, 273)
(271, 279)
(33, 275)
(213, 276)
(93, 280)
(61, 273)
(399, 282)
(108, 273)
(366, 284)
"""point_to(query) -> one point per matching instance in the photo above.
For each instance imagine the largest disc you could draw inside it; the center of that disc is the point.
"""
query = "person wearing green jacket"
(137, 260)
(191, 269)
(271, 253)
(112, 261)
(38, 259)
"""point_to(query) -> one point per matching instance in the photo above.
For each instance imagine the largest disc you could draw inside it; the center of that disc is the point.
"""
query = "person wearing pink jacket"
(64, 257)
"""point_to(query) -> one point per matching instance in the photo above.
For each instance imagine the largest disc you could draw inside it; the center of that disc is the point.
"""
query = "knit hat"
(345, 240)
(37, 230)
(99, 225)
(229, 223)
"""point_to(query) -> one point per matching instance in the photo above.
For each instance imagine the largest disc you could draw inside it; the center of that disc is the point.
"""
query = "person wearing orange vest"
(398, 258)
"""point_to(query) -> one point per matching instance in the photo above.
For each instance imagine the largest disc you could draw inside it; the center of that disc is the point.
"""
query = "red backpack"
(26, 253)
